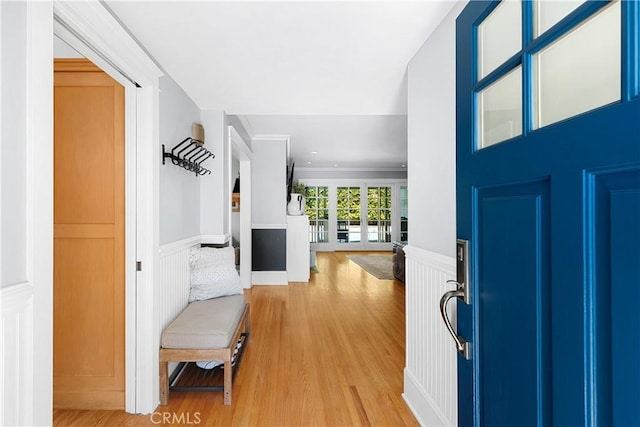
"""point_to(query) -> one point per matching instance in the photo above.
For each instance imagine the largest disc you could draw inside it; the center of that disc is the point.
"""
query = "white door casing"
(241, 151)
(94, 32)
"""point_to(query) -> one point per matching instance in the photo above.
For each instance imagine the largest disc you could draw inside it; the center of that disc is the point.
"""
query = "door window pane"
(499, 36)
(317, 203)
(580, 71)
(548, 13)
(379, 214)
(500, 109)
(348, 214)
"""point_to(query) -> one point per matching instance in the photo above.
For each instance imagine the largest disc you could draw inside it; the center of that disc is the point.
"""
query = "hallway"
(327, 353)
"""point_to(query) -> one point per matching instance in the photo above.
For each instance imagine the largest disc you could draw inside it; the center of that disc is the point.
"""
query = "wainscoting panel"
(16, 355)
(174, 279)
(430, 378)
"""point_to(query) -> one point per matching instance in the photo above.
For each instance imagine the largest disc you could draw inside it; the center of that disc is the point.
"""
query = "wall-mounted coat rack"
(189, 154)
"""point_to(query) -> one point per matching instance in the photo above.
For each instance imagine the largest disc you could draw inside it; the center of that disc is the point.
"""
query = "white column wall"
(268, 182)
(13, 179)
(430, 373)
(26, 202)
(432, 140)
(215, 196)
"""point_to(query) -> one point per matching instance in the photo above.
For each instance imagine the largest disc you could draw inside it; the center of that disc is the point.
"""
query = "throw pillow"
(213, 273)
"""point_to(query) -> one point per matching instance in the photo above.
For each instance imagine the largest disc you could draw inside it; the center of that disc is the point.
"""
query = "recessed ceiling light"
(314, 152)
(335, 166)
(404, 166)
(308, 163)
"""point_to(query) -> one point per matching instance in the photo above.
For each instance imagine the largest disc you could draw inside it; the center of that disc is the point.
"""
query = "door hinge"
(138, 265)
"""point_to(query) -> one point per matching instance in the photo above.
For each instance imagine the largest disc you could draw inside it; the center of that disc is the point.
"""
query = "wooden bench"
(205, 331)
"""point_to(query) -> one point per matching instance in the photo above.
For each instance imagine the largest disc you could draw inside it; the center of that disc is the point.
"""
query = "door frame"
(93, 31)
(241, 151)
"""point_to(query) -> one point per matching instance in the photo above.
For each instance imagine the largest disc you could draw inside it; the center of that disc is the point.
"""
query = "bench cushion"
(205, 324)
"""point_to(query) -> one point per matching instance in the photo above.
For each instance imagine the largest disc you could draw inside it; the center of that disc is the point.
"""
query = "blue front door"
(548, 196)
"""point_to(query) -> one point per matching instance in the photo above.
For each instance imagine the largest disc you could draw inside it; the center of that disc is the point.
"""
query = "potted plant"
(299, 188)
(296, 202)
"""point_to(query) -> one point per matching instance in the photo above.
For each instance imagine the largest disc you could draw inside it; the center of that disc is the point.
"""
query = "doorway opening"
(240, 216)
(93, 32)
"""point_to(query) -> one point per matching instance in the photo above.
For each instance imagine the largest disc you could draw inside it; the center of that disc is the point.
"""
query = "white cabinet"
(298, 248)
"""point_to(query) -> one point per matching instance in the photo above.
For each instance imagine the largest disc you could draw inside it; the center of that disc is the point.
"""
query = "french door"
(349, 202)
(548, 196)
(356, 215)
(317, 209)
(364, 216)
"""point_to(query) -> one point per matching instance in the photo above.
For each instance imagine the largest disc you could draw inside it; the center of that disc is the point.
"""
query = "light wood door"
(89, 291)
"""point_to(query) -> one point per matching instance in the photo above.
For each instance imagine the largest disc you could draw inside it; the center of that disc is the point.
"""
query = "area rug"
(379, 266)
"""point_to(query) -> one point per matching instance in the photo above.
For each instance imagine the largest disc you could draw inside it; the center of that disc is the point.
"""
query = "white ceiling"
(332, 75)
(341, 141)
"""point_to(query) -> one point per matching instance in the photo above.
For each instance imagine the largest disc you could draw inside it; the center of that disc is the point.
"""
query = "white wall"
(432, 140)
(26, 206)
(268, 182)
(14, 147)
(430, 385)
(238, 123)
(179, 189)
(191, 205)
(214, 187)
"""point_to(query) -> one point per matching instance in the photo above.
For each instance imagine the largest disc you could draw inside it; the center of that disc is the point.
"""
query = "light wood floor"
(327, 353)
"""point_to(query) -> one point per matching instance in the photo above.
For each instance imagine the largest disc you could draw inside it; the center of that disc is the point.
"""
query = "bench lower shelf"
(190, 377)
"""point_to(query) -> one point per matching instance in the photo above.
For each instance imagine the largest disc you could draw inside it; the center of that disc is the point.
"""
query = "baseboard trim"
(269, 278)
(422, 406)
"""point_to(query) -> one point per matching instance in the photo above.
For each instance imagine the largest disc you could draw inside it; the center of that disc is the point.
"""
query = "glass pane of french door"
(317, 209)
(379, 214)
(348, 212)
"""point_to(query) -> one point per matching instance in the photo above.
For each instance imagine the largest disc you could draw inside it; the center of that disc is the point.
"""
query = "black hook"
(190, 155)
